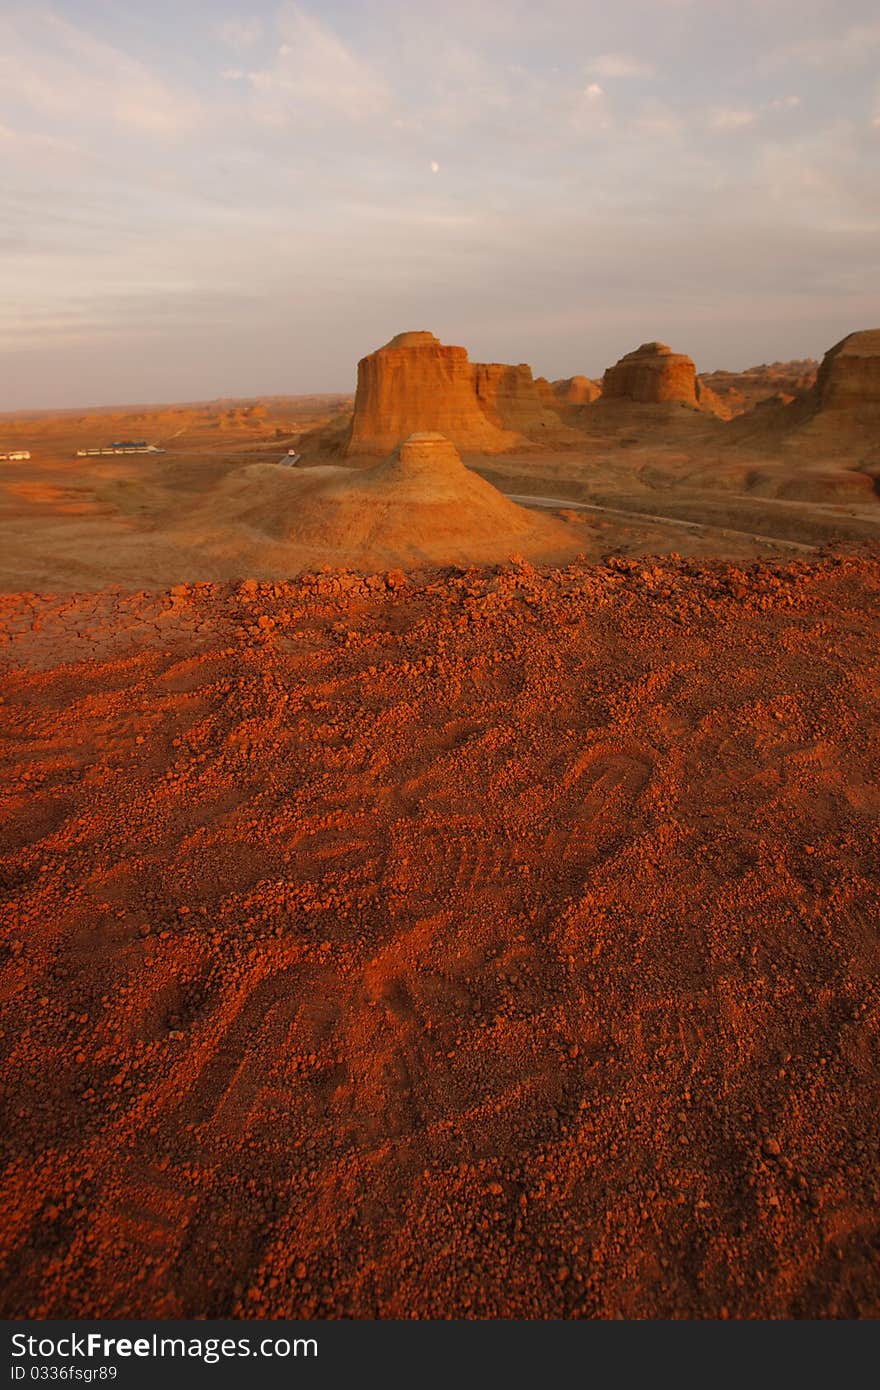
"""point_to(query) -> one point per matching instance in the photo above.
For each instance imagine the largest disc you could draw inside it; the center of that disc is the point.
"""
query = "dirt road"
(565, 504)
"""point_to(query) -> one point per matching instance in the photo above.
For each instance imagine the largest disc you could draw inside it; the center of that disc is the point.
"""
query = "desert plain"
(439, 846)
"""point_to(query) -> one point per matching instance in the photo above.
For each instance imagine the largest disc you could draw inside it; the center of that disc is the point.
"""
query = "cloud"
(821, 180)
(320, 146)
(658, 122)
(731, 118)
(620, 65)
(314, 74)
(451, 85)
(29, 141)
(59, 70)
(241, 33)
(855, 46)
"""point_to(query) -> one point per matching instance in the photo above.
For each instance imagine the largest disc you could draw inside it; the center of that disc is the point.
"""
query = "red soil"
(501, 943)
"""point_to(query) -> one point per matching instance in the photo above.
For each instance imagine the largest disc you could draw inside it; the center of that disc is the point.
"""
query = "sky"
(201, 199)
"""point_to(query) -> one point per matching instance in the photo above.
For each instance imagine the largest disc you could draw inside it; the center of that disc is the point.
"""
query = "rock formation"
(509, 396)
(832, 430)
(413, 384)
(737, 392)
(842, 408)
(651, 375)
(576, 390)
(708, 400)
(545, 390)
(421, 505)
(849, 377)
(416, 384)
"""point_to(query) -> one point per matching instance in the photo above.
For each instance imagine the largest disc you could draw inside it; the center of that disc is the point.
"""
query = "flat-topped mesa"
(651, 375)
(414, 384)
(849, 377)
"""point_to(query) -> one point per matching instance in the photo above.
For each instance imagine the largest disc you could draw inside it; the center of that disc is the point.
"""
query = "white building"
(120, 449)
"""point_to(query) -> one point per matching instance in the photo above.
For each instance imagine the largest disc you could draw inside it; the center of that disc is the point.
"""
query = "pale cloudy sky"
(205, 198)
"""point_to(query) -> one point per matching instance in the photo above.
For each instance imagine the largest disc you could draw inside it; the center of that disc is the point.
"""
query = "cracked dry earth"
(465, 944)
